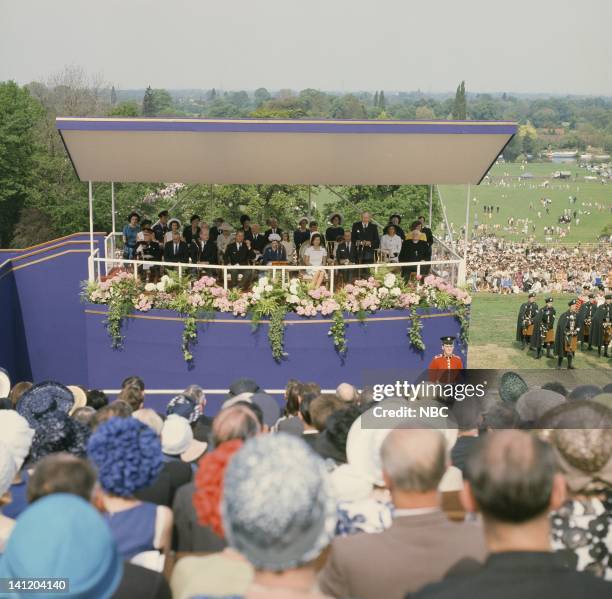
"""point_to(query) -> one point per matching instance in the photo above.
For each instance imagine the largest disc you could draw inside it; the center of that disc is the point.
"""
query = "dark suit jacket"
(260, 243)
(524, 574)
(414, 551)
(269, 232)
(343, 252)
(369, 233)
(141, 583)
(208, 253)
(181, 256)
(233, 256)
(188, 234)
(189, 535)
(413, 252)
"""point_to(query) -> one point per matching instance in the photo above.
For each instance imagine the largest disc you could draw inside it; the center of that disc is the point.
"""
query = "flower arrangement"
(271, 300)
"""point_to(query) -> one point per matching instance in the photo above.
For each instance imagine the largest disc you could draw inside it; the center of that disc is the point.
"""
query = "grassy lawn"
(493, 330)
(515, 197)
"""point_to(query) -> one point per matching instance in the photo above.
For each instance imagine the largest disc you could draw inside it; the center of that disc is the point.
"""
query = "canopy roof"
(326, 152)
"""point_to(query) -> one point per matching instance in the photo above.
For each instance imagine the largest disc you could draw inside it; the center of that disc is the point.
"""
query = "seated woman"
(128, 457)
(275, 251)
(315, 256)
(289, 247)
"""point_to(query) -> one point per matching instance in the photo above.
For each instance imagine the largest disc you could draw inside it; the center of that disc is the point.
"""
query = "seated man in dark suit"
(413, 250)
(203, 251)
(513, 481)
(421, 543)
(176, 250)
(240, 252)
(346, 253)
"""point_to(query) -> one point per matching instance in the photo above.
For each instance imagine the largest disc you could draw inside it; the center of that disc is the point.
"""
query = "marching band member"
(566, 338)
(585, 320)
(524, 322)
(602, 326)
(544, 329)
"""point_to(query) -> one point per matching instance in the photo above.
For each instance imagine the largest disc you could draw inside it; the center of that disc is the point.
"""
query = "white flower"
(161, 286)
(383, 292)
(165, 279)
(389, 280)
(256, 295)
(150, 287)
(263, 281)
(396, 292)
(268, 288)
(294, 299)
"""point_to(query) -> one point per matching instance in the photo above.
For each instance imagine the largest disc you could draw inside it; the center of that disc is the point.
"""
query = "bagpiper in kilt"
(585, 320)
(524, 322)
(544, 329)
(566, 338)
(601, 326)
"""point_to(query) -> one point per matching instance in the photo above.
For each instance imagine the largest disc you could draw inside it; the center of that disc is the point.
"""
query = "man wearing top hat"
(160, 228)
(585, 320)
(602, 326)
(566, 338)
(544, 329)
(524, 322)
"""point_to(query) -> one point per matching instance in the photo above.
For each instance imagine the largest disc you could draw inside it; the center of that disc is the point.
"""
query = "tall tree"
(212, 95)
(19, 115)
(261, 95)
(381, 100)
(113, 98)
(148, 103)
(376, 99)
(460, 105)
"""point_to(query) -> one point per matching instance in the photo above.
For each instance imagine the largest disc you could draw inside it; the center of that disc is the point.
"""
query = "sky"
(521, 46)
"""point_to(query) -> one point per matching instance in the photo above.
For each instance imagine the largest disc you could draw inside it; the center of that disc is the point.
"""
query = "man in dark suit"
(413, 250)
(215, 230)
(240, 252)
(204, 251)
(160, 228)
(365, 234)
(176, 250)
(273, 229)
(258, 240)
(421, 543)
(500, 470)
(346, 253)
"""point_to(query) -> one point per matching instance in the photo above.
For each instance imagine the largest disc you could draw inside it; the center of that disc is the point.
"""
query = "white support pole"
(467, 222)
(430, 204)
(462, 274)
(113, 217)
(91, 236)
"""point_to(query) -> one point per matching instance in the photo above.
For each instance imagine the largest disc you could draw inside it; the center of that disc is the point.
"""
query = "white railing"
(285, 270)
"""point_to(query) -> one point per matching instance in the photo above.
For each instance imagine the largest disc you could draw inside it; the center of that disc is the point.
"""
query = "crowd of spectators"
(505, 267)
(301, 498)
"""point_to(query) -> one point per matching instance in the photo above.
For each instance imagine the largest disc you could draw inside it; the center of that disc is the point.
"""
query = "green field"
(514, 200)
(493, 330)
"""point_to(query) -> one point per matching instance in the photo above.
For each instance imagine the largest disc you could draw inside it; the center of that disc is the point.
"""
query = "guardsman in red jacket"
(445, 361)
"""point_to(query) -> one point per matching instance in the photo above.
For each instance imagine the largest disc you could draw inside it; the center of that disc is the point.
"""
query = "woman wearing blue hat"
(128, 457)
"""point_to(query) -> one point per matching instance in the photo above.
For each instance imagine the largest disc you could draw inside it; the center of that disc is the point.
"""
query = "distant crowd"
(501, 266)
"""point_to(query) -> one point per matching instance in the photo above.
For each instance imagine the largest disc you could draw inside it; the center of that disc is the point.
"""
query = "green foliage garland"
(276, 334)
(414, 332)
(338, 332)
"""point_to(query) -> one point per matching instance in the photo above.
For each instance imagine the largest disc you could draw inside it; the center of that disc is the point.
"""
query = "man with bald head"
(513, 481)
(421, 544)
